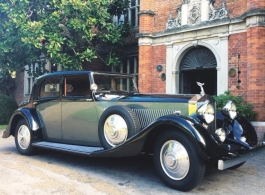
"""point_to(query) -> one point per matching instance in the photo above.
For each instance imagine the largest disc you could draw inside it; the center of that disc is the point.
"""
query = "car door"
(79, 116)
(48, 106)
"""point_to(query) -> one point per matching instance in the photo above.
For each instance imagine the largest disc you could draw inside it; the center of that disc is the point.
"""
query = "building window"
(29, 78)
(118, 20)
(130, 67)
(133, 11)
(34, 70)
(131, 16)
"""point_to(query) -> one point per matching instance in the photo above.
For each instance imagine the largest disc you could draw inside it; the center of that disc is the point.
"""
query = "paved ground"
(56, 173)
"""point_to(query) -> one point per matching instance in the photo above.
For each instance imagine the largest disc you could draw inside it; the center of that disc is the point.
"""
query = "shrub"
(7, 107)
(241, 107)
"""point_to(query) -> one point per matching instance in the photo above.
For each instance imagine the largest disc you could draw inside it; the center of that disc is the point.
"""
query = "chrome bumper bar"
(224, 164)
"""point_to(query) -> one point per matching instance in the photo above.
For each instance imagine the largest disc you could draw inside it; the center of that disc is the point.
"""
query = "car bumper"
(224, 164)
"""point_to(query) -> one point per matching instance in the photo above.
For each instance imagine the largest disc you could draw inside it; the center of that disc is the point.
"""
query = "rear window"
(50, 87)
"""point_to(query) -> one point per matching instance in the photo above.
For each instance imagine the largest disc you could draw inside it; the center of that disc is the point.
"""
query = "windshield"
(115, 83)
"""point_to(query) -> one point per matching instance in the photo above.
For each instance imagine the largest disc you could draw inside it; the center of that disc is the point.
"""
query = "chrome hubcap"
(115, 130)
(174, 159)
(23, 137)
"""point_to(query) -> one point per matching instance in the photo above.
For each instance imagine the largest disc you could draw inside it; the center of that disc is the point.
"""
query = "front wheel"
(177, 162)
(23, 138)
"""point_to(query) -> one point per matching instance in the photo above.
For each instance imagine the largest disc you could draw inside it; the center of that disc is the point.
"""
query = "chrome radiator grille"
(147, 116)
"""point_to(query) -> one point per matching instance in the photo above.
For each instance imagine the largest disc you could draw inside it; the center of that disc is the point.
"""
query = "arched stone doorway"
(198, 65)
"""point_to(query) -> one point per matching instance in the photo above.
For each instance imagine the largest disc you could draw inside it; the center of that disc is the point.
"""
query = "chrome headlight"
(220, 133)
(205, 113)
(229, 110)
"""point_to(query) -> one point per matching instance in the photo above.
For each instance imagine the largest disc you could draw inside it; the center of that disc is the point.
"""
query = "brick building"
(218, 42)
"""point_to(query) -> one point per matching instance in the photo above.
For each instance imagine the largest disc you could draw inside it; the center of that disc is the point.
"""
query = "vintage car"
(101, 114)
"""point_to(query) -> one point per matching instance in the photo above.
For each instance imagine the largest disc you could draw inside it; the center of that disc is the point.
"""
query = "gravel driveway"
(50, 172)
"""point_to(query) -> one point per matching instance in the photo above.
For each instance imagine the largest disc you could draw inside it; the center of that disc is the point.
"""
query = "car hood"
(180, 98)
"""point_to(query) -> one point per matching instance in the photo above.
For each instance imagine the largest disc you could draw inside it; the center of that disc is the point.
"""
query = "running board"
(84, 150)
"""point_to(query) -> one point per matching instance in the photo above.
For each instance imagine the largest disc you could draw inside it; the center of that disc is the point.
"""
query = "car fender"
(29, 114)
(198, 135)
(250, 131)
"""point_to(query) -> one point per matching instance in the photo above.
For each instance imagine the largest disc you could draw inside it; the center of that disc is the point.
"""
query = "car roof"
(69, 72)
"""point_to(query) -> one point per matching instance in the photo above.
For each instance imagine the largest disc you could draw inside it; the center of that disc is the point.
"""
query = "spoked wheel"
(23, 138)
(177, 161)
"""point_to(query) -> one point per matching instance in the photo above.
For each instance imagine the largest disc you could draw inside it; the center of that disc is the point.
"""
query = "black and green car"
(101, 114)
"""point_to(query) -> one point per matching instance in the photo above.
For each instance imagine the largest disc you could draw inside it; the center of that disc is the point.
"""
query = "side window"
(50, 87)
(76, 85)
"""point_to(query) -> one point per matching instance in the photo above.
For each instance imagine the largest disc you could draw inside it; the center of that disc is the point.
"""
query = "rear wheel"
(177, 162)
(23, 138)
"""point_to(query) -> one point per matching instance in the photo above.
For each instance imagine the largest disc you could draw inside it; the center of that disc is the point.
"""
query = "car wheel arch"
(14, 122)
(25, 114)
(155, 132)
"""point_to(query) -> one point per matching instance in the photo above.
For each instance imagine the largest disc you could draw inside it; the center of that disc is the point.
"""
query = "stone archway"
(198, 65)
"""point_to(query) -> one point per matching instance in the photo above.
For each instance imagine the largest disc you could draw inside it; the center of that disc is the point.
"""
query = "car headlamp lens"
(94, 87)
(220, 133)
(229, 110)
(205, 113)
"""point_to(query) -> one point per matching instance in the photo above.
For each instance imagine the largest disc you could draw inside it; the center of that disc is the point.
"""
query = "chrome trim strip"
(224, 164)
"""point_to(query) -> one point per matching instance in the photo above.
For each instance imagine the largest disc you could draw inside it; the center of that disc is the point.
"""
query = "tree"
(13, 52)
(68, 32)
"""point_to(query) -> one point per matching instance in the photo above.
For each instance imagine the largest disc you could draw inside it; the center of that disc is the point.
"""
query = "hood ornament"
(202, 90)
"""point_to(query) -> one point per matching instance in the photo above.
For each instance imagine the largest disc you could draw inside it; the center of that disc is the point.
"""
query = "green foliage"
(68, 32)
(242, 108)
(3, 127)
(7, 107)
(13, 52)
(7, 85)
